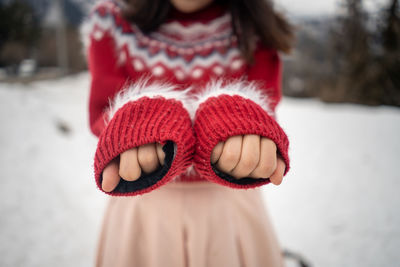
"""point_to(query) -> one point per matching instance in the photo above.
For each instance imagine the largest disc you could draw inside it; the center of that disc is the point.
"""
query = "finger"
(249, 157)
(148, 159)
(129, 168)
(230, 154)
(277, 177)
(160, 153)
(267, 164)
(217, 151)
(110, 176)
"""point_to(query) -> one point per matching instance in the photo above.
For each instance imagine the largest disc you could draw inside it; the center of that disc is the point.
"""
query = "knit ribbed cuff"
(147, 120)
(222, 116)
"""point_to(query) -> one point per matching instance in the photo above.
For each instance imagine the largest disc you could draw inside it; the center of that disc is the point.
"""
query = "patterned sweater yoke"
(184, 51)
(184, 85)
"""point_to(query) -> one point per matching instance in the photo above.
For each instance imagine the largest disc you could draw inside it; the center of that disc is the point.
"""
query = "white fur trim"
(249, 90)
(190, 171)
(143, 88)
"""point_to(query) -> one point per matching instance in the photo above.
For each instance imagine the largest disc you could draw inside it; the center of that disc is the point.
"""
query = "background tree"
(19, 30)
(390, 59)
(351, 57)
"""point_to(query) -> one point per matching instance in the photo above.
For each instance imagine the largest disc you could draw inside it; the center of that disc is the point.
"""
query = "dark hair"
(250, 18)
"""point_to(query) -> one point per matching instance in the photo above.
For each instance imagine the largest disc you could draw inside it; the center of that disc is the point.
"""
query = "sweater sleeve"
(107, 75)
(107, 78)
(229, 108)
(127, 115)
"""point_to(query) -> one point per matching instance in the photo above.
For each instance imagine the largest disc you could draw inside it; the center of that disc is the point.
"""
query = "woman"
(192, 125)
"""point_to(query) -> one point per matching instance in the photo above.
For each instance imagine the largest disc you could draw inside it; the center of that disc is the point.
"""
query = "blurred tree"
(367, 68)
(352, 59)
(18, 26)
(391, 33)
(390, 60)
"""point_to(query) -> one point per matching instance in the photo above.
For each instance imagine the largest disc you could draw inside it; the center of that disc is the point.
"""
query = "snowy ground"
(339, 205)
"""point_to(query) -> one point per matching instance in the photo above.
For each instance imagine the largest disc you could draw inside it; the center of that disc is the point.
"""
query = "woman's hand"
(130, 165)
(249, 156)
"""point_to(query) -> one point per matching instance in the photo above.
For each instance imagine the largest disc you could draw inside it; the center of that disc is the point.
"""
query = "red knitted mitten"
(228, 112)
(150, 117)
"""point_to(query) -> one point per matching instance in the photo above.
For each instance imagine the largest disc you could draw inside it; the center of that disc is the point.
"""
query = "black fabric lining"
(149, 179)
(231, 179)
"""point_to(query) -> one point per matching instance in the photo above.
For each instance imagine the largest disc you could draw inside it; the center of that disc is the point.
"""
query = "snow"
(51, 210)
(338, 206)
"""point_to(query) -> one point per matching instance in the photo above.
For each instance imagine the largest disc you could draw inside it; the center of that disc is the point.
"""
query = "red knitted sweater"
(185, 86)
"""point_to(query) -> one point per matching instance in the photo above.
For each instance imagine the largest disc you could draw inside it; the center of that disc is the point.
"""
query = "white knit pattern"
(196, 28)
(96, 26)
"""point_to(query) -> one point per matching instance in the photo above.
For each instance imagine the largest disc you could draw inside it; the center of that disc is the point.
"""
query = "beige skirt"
(197, 224)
